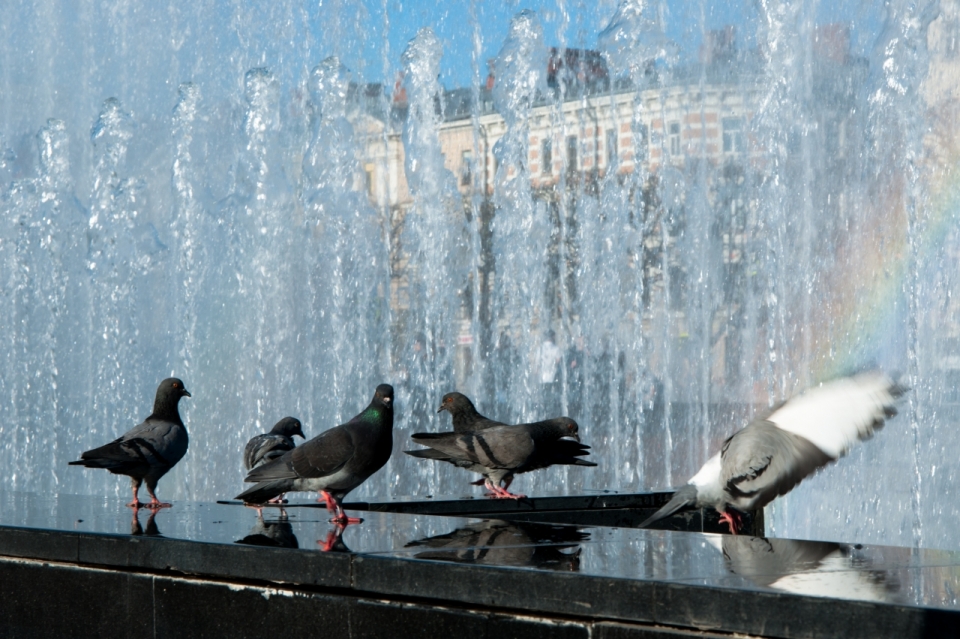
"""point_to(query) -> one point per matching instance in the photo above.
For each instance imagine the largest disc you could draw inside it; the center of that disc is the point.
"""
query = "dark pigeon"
(465, 419)
(334, 462)
(464, 415)
(774, 453)
(500, 452)
(270, 446)
(149, 450)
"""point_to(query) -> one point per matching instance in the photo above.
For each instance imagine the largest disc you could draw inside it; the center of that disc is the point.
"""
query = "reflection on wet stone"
(151, 529)
(500, 543)
(713, 564)
(334, 541)
(822, 569)
(275, 534)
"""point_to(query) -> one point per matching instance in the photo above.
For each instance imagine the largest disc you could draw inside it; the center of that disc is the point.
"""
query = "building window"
(733, 135)
(950, 30)
(643, 143)
(466, 168)
(673, 135)
(571, 153)
(368, 173)
(546, 157)
(612, 150)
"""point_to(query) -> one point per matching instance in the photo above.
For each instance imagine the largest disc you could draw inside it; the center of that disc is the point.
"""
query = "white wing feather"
(837, 414)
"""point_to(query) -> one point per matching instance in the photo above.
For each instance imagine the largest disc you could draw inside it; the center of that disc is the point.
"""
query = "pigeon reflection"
(271, 533)
(334, 541)
(151, 530)
(821, 569)
(499, 543)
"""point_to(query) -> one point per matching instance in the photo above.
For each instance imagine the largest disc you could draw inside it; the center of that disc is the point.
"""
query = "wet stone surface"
(928, 578)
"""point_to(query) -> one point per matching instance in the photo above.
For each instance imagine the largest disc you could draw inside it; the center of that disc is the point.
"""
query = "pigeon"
(776, 452)
(269, 446)
(149, 450)
(334, 462)
(464, 415)
(465, 419)
(500, 452)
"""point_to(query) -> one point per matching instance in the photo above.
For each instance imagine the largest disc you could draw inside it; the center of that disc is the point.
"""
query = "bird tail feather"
(264, 491)
(686, 496)
(276, 470)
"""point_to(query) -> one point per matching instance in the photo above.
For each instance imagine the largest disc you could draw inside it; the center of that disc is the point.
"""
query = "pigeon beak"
(441, 409)
(576, 437)
(187, 393)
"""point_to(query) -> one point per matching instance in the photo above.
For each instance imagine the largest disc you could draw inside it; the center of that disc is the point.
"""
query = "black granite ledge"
(624, 510)
(421, 594)
(99, 603)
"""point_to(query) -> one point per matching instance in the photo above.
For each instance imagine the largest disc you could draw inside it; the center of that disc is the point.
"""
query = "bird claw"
(328, 499)
(136, 505)
(732, 519)
(503, 493)
(157, 505)
(330, 542)
(343, 520)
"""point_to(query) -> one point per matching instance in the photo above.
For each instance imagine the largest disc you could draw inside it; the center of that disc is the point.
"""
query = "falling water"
(242, 197)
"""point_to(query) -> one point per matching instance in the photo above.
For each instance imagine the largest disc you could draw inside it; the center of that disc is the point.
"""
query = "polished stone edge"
(622, 510)
(481, 505)
(524, 591)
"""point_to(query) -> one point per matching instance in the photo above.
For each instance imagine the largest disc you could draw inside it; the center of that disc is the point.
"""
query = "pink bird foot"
(328, 499)
(330, 542)
(732, 519)
(503, 493)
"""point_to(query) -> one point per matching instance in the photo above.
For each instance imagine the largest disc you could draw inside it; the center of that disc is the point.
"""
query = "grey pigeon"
(774, 453)
(465, 419)
(149, 450)
(267, 447)
(334, 462)
(464, 415)
(500, 452)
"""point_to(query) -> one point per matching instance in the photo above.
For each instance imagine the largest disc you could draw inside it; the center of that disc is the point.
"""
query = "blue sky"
(388, 25)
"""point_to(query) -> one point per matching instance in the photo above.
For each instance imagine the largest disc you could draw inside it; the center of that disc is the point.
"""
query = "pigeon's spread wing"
(763, 461)
(324, 454)
(837, 414)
